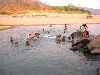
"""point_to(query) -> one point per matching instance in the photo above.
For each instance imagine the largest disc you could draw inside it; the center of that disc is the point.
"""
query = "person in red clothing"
(85, 34)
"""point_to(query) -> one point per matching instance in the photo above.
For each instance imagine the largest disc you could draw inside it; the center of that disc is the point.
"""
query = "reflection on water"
(45, 57)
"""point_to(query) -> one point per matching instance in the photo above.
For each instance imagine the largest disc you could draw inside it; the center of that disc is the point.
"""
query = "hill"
(72, 9)
(19, 6)
(95, 11)
(8, 7)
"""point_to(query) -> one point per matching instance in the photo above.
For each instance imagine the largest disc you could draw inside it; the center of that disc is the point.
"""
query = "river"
(45, 57)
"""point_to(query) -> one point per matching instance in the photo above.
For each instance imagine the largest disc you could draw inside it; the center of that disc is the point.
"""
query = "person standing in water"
(29, 40)
(65, 28)
(43, 29)
(11, 40)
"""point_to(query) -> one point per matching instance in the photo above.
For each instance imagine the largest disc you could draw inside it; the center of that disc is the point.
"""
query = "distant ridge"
(95, 11)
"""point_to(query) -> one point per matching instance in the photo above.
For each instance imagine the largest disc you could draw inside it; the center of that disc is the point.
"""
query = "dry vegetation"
(8, 7)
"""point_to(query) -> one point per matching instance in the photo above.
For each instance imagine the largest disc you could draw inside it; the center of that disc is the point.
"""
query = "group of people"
(31, 37)
(60, 38)
(13, 41)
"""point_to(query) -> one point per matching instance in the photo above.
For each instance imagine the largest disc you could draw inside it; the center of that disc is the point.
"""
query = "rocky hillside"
(19, 6)
(8, 7)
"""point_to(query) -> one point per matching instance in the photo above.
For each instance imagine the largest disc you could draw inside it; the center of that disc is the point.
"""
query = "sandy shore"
(5, 27)
(6, 21)
(33, 20)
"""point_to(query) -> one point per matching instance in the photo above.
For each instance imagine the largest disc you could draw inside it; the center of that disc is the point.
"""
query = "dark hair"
(84, 25)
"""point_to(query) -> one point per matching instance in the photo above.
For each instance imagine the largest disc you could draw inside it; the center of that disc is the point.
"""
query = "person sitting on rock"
(85, 34)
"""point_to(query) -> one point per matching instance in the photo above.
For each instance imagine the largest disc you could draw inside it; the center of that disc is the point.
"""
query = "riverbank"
(58, 19)
(50, 19)
(5, 27)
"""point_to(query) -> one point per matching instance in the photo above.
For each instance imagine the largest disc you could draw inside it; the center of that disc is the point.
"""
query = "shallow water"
(45, 57)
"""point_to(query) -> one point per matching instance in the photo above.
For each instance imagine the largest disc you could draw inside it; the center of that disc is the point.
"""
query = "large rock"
(96, 51)
(95, 44)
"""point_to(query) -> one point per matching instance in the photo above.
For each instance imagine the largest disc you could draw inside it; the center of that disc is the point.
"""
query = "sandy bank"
(32, 20)
(5, 27)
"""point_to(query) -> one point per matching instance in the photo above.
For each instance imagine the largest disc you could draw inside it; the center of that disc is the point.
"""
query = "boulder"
(96, 51)
(95, 45)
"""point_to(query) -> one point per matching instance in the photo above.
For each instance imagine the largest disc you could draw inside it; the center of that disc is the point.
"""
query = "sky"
(83, 3)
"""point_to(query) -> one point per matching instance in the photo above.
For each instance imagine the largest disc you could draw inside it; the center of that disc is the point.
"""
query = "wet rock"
(98, 71)
(95, 45)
